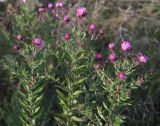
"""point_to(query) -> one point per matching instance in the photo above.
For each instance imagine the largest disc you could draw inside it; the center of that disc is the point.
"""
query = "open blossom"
(98, 56)
(19, 38)
(15, 47)
(66, 19)
(81, 12)
(122, 76)
(50, 5)
(111, 46)
(112, 57)
(38, 42)
(142, 58)
(126, 46)
(92, 27)
(67, 36)
(59, 4)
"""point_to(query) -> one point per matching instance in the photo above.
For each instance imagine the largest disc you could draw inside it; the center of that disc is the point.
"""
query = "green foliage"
(33, 73)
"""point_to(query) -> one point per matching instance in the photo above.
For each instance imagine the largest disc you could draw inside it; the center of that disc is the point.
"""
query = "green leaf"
(77, 119)
(105, 106)
(77, 106)
(61, 95)
(79, 81)
(100, 113)
(77, 93)
(59, 120)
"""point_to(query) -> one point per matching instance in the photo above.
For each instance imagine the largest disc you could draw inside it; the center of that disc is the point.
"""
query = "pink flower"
(111, 46)
(122, 76)
(92, 27)
(112, 57)
(38, 42)
(98, 56)
(19, 38)
(41, 10)
(57, 15)
(142, 58)
(66, 19)
(50, 5)
(67, 36)
(126, 46)
(101, 33)
(15, 47)
(81, 12)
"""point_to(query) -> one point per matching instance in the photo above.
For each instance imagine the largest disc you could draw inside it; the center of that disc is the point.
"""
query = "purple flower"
(142, 58)
(50, 5)
(19, 38)
(59, 4)
(122, 76)
(38, 42)
(126, 46)
(66, 19)
(81, 12)
(98, 56)
(15, 47)
(92, 27)
(67, 36)
(111, 46)
(112, 57)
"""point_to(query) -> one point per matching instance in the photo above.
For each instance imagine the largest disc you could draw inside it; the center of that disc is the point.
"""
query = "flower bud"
(67, 36)
(19, 38)
(38, 42)
(41, 10)
(50, 5)
(111, 46)
(66, 19)
(15, 47)
(126, 46)
(122, 76)
(101, 33)
(112, 57)
(81, 12)
(98, 56)
(92, 27)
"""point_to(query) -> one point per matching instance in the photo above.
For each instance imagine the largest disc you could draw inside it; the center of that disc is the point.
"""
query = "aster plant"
(91, 86)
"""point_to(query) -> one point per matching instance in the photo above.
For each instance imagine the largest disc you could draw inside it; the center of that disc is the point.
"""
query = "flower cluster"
(126, 48)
